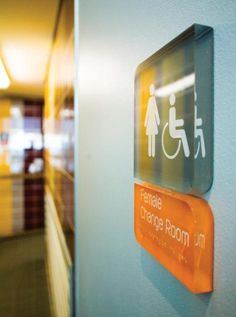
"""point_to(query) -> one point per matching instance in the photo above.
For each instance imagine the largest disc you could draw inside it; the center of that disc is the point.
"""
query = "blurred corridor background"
(36, 158)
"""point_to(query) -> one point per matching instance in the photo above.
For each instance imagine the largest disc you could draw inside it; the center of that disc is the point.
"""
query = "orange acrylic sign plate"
(178, 230)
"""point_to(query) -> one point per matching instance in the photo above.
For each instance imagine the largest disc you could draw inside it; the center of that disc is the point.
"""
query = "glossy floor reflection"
(23, 280)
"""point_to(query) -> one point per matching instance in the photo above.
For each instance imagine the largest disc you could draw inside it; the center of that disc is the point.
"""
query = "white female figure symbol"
(152, 120)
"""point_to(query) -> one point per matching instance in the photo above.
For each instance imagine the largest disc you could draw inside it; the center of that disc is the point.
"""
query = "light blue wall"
(116, 276)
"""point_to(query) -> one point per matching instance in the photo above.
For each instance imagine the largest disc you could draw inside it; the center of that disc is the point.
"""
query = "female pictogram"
(152, 120)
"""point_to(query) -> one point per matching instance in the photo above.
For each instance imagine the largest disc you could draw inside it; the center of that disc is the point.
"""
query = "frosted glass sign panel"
(174, 114)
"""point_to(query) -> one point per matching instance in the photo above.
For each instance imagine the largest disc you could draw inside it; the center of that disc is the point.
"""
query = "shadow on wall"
(175, 293)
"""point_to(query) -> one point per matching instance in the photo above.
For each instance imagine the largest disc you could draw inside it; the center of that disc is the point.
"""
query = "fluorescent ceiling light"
(4, 79)
(177, 86)
(27, 61)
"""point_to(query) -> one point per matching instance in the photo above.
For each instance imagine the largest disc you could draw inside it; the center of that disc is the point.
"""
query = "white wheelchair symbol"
(198, 132)
(176, 132)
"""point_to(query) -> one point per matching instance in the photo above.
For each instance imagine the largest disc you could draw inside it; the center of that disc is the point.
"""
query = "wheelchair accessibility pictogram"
(173, 131)
(176, 131)
(178, 144)
(198, 132)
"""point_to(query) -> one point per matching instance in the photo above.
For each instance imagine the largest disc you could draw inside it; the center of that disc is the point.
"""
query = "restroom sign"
(178, 231)
(174, 114)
